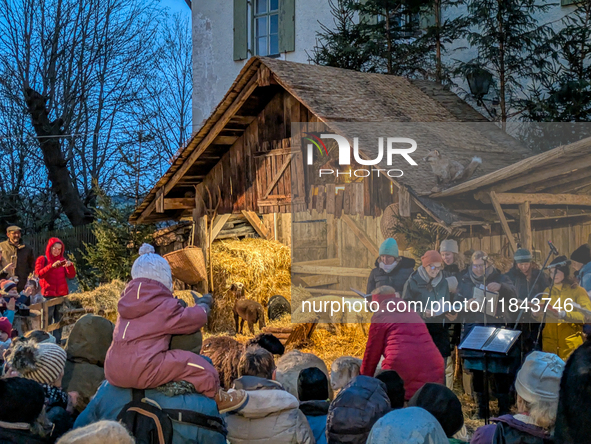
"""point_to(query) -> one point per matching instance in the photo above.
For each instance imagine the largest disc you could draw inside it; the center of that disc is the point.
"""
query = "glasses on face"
(477, 266)
(435, 268)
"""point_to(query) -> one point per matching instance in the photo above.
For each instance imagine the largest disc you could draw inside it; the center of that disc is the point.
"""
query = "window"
(266, 27)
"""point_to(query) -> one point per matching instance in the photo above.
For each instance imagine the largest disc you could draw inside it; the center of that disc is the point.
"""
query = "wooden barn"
(239, 170)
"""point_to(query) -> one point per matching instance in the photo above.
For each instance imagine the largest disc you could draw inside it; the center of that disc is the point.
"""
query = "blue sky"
(177, 6)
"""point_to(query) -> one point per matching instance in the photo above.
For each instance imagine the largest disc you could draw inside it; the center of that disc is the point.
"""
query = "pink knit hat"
(431, 257)
(5, 326)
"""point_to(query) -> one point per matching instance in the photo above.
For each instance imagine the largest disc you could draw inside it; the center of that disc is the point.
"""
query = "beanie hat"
(152, 266)
(539, 377)
(7, 285)
(431, 257)
(43, 363)
(389, 247)
(582, 254)
(442, 403)
(312, 385)
(564, 268)
(5, 326)
(100, 432)
(522, 255)
(21, 400)
(394, 387)
(449, 245)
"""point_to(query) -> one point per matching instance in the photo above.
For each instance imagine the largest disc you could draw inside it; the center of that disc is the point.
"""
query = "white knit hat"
(152, 266)
(449, 245)
(110, 432)
(539, 377)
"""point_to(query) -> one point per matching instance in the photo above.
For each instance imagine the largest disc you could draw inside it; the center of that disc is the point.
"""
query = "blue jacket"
(109, 400)
(316, 413)
(585, 277)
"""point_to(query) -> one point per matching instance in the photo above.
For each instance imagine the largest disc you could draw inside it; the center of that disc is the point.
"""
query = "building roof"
(344, 98)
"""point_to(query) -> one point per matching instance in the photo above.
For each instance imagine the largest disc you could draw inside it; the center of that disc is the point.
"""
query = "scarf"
(55, 396)
(478, 280)
(15, 425)
(434, 282)
(388, 268)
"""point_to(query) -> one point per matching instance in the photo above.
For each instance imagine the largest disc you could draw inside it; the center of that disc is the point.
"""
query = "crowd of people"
(136, 382)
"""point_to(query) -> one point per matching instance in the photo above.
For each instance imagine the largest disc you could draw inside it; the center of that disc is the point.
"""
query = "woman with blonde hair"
(537, 386)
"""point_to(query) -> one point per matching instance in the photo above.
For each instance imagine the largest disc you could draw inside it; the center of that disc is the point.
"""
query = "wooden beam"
(204, 143)
(218, 224)
(361, 235)
(319, 280)
(159, 199)
(334, 271)
(242, 120)
(284, 166)
(225, 140)
(403, 202)
(326, 262)
(504, 223)
(525, 225)
(329, 291)
(256, 223)
(543, 199)
(201, 240)
(179, 203)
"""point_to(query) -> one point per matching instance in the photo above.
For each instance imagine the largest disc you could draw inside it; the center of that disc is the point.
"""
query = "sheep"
(225, 353)
(244, 309)
(343, 370)
(292, 363)
(277, 307)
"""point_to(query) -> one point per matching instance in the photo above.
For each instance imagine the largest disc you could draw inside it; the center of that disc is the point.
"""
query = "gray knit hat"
(522, 255)
(43, 363)
(449, 245)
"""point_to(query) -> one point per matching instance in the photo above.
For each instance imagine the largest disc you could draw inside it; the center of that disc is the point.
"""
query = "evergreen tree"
(563, 91)
(117, 243)
(511, 45)
(399, 37)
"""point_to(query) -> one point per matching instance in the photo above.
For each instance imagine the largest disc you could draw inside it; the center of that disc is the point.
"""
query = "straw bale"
(102, 299)
(263, 267)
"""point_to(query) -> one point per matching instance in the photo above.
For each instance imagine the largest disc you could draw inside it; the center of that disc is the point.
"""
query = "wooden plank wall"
(565, 239)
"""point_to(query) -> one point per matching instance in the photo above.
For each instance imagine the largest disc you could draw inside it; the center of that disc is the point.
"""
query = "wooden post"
(403, 202)
(202, 241)
(525, 225)
(504, 224)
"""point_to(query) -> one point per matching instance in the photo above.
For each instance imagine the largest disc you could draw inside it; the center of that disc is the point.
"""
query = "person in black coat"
(392, 270)
(355, 410)
(481, 272)
(524, 274)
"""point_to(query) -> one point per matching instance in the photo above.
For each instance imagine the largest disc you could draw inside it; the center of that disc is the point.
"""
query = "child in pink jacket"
(148, 315)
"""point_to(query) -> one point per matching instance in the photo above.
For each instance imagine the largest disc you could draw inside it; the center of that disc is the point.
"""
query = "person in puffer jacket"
(148, 316)
(412, 425)
(271, 415)
(314, 401)
(391, 270)
(402, 337)
(355, 410)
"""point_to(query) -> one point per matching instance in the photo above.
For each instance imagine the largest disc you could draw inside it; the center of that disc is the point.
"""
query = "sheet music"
(503, 341)
(477, 338)
(443, 308)
(490, 308)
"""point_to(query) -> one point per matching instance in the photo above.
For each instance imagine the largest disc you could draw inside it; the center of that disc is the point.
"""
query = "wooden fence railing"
(73, 239)
(43, 307)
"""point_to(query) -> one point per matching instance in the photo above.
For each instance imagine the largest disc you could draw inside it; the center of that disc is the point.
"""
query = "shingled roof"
(342, 97)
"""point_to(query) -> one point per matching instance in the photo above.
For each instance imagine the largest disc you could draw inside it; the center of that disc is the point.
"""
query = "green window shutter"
(240, 29)
(286, 25)
(568, 2)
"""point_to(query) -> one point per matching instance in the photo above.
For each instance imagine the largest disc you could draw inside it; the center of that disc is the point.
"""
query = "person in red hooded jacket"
(54, 270)
(404, 341)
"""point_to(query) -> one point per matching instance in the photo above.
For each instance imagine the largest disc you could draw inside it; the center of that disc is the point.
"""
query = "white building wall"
(214, 69)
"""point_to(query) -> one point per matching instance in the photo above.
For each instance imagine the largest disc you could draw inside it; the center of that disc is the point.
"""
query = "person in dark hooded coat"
(391, 270)
(314, 401)
(355, 410)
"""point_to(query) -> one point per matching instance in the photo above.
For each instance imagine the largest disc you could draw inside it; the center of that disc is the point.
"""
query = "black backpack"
(150, 424)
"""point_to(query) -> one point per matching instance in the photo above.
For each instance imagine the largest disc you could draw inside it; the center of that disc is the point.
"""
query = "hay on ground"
(101, 300)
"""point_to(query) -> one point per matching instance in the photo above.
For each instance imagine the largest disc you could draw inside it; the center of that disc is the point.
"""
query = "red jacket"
(405, 342)
(53, 281)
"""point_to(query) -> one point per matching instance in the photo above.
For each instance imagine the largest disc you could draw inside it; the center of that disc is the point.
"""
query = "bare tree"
(81, 67)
